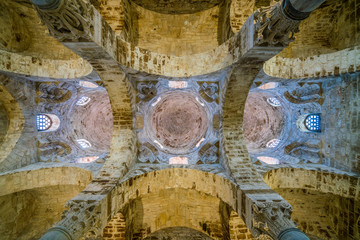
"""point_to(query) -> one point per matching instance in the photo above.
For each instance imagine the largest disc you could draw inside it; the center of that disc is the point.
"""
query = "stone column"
(300, 9)
(57, 233)
(306, 5)
(276, 25)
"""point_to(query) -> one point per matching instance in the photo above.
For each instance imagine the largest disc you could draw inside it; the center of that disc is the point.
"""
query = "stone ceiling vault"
(177, 76)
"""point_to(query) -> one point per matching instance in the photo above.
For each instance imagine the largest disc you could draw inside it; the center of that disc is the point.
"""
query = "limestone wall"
(325, 216)
(115, 229)
(186, 208)
(177, 34)
(325, 205)
(32, 201)
(327, 44)
(238, 229)
(44, 56)
(341, 120)
(320, 181)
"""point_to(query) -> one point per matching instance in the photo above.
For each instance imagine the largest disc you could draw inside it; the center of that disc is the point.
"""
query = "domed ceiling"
(177, 121)
(262, 121)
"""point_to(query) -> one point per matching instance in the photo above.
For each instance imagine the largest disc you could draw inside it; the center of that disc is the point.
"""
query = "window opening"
(83, 101)
(178, 84)
(273, 143)
(88, 84)
(269, 160)
(87, 159)
(178, 160)
(43, 122)
(84, 143)
(269, 85)
(312, 122)
(274, 102)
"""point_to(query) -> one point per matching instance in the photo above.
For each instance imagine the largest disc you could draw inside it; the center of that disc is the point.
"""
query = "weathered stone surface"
(141, 50)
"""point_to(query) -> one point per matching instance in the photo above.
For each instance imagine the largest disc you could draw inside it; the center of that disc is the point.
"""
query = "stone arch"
(4, 122)
(326, 182)
(30, 56)
(113, 12)
(215, 196)
(18, 181)
(327, 44)
(32, 201)
(234, 151)
(203, 182)
(15, 120)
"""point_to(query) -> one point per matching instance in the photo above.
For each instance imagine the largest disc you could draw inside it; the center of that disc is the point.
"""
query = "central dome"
(178, 122)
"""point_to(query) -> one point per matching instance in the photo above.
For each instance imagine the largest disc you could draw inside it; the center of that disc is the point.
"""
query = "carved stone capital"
(68, 20)
(273, 27)
(82, 217)
(209, 92)
(146, 91)
(53, 93)
(271, 218)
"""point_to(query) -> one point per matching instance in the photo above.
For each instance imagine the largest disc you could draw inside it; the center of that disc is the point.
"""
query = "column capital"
(68, 21)
(271, 218)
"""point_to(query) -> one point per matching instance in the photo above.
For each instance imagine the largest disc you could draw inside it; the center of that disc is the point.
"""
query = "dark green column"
(57, 233)
(299, 9)
(292, 234)
(46, 4)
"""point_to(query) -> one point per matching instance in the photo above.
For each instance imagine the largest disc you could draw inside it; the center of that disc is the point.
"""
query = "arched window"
(43, 122)
(87, 159)
(269, 85)
(269, 160)
(312, 122)
(88, 84)
(178, 160)
(273, 143)
(47, 122)
(274, 102)
(83, 101)
(84, 143)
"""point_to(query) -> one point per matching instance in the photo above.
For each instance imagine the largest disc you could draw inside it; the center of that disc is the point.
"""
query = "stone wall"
(36, 59)
(28, 214)
(327, 44)
(341, 120)
(115, 229)
(238, 229)
(32, 201)
(325, 205)
(325, 216)
(314, 180)
(18, 148)
(187, 208)
(177, 34)
(4, 122)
